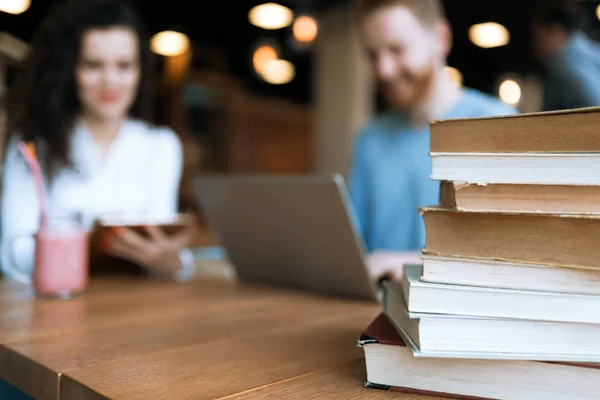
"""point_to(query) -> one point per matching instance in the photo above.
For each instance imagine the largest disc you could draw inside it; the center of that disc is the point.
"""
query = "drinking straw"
(29, 154)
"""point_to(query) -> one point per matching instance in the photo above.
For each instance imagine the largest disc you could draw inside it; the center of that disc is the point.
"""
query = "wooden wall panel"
(255, 135)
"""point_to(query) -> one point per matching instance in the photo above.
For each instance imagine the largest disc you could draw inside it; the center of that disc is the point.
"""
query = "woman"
(83, 98)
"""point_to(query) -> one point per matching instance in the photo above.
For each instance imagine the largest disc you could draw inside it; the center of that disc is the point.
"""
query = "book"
(517, 168)
(562, 240)
(390, 365)
(424, 297)
(467, 336)
(509, 275)
(564, 131)
(551, 148)
(533, 198)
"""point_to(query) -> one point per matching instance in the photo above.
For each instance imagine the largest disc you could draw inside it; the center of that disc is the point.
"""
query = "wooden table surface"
(130, 338)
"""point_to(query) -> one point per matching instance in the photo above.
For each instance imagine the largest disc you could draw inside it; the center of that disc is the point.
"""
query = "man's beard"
(421, 84)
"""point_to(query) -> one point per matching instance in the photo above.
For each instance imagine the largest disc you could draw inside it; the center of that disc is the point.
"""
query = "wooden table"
(130, 338)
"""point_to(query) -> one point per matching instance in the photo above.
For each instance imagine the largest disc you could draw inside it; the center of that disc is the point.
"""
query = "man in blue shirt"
(571, 59)
(407, 42)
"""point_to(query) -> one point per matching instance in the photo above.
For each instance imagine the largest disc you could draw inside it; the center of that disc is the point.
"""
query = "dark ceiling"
(223, 26)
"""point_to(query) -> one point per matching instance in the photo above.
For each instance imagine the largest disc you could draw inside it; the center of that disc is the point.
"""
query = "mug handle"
(12, 269)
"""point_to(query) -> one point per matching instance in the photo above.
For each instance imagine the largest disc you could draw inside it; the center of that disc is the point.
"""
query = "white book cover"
(490, 273)
(460, 336)
(517, 168)
(424, 297)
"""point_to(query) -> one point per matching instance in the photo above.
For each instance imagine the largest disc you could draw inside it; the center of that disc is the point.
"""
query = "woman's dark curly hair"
(43, 103)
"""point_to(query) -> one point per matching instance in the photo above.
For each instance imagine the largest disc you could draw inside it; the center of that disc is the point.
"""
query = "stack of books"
(507, 302)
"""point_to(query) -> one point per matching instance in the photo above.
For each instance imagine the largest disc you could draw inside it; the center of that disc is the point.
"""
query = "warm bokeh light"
(598, 11)
(278, 72)
(14, 6)
(262, 55)
(271, 16)
(489, 34)
(170, 43)
(305, 29)
(510, 92)
(455, 74)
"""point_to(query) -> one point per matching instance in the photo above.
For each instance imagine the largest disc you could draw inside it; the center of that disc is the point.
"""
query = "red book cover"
(380, 331)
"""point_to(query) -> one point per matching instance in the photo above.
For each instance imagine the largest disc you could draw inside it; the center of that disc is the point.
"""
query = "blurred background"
(257, 87)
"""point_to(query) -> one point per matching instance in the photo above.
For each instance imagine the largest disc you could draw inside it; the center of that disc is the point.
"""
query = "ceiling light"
(170, 43)
(305, 29)
(270, 16)
(278, 72)
(510, 92)
(489, 34)
(262, 55)
(598, 11)
(14, 6)
(455, 74)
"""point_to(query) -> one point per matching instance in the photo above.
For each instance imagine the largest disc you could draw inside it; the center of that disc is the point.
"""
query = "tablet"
(103, 263)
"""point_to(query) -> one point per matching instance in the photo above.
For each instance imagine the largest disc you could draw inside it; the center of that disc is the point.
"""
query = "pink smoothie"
(61, 263)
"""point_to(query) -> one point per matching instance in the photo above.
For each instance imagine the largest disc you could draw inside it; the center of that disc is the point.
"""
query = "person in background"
(571, 60)
(407, 43)
(84, 98)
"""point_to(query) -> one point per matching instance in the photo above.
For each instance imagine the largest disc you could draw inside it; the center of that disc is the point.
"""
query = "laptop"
(291, 231)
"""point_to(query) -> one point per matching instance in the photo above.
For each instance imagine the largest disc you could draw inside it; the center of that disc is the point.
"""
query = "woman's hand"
(157, 252)
(391, 264)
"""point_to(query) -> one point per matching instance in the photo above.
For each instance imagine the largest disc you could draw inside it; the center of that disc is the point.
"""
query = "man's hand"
(157, 252)
(387, 263)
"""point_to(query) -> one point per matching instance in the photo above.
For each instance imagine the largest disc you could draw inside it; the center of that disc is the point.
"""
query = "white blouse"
(140, 175)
